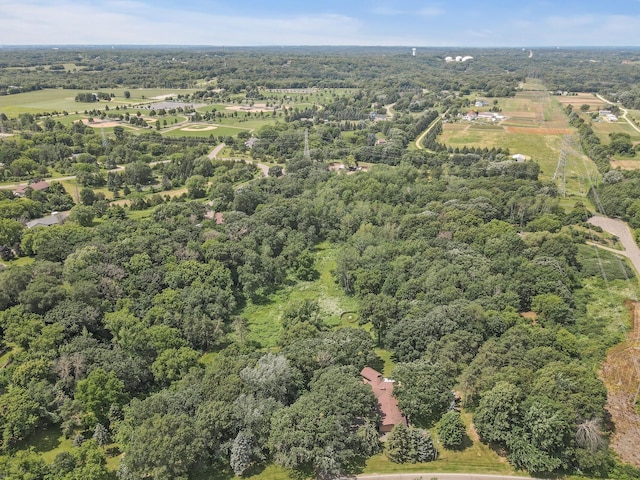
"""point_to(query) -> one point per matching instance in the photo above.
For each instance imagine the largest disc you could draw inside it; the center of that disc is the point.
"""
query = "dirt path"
(419, 145)
(624, 110)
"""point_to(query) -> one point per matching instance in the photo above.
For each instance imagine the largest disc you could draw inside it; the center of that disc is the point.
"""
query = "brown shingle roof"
(382, 388)
(34, 186)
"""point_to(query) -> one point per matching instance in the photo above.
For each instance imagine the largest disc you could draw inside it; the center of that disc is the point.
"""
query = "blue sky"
(329, 22)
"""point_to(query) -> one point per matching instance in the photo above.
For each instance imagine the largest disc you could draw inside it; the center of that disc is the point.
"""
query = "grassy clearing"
(49, 442)
(389, 364)
(201, 132)
(474, 457)
(604, 128)
(605, 307)
(264, 318)
(58, 99)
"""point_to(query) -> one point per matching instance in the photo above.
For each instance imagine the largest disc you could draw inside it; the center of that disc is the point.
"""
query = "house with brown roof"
(22, 189)
(390, 414)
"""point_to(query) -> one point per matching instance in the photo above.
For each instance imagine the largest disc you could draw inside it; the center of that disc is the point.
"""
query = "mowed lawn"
(203, 130)
(59, 99)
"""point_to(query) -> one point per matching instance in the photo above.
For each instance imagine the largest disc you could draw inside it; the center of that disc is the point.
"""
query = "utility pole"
(307, 153)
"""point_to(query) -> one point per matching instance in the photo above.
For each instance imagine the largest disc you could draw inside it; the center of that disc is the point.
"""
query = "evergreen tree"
(241, 452)
(451, 429)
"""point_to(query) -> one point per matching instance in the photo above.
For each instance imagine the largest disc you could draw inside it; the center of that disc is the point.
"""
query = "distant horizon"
(454, 23)
(329, 46)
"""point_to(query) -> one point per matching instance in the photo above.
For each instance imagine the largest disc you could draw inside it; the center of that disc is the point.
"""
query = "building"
(470, 116)
(56, 218)
(22, 189)
(390, 414)
(251, 142)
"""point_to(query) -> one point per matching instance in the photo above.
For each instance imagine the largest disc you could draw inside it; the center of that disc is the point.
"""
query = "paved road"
(214, 153)
(439, 476)
(621, 230)
(624, 110)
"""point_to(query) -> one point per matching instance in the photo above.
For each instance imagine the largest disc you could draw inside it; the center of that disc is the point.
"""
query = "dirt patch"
(258, 107)
(199, 128)
(626, 164)
(621, 375)
(99, 124)
(540, 131)
(164, 97)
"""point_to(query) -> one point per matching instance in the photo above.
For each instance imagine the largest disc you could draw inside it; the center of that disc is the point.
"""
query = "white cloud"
(74, 23)
(430, 12)
(32, 22)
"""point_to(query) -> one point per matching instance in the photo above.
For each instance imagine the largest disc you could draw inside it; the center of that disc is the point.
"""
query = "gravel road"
(621, 230)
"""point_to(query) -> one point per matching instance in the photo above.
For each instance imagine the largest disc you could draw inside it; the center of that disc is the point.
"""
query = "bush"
(451, 430)
(410, 445)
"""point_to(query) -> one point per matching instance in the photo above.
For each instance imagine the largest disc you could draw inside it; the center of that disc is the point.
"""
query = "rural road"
(57, 179)
(624, 110)
(423, 134)
(214, 153)
(439, 476)
(621, 230)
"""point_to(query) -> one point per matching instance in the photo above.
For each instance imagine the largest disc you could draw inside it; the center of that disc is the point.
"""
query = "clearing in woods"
(621, 375)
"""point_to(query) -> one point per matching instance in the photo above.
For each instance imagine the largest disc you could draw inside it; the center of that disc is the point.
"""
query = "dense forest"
(466, 266)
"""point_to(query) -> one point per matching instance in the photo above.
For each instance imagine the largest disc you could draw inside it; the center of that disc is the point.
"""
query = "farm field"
(535, 127)
(580, 99)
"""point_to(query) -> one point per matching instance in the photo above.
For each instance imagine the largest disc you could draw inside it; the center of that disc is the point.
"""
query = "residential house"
(22, 189)
(56, 218)
(390, 414)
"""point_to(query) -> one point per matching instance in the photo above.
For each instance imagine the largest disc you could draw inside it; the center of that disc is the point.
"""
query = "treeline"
(589, 141)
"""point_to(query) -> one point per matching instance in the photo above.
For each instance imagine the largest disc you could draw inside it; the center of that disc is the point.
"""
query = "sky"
(450, 23)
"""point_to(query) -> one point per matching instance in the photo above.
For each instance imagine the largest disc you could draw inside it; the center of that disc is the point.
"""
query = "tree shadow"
(42, 440)
(464, 444)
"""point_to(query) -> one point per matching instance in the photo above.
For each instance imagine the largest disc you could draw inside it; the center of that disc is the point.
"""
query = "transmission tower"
(307, 153)
(105, 142)
(561, 168)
